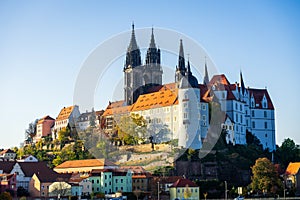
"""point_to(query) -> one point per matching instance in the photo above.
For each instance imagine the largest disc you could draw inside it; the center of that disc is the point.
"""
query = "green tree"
(63, 136)
(288, 152)
(265, 177)
(131, 129)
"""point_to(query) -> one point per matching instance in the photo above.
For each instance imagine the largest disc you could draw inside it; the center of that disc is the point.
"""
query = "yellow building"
(184, 189)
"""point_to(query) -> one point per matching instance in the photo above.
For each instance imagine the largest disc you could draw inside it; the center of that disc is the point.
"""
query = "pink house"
(8, 183)
(43, 127)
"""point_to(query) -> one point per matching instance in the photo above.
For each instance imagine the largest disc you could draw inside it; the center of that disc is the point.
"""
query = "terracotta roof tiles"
(85, 163)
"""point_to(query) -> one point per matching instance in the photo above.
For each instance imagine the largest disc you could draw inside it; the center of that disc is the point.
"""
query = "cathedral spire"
(133, 44)
(152, 41)
(206, 78)
(181, 62)
(153, 53)
(133, 55)
(242, 83)
(180, 68)
(189, 68)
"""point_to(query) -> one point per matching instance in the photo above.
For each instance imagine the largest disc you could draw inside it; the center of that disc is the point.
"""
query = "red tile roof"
(85, 163)
(258, 95)
(45, 118)
(183, 183)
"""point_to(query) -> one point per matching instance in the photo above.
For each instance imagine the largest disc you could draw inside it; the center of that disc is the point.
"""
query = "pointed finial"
(152, 41)
(206, 78)
(189, 67)
(132, 25)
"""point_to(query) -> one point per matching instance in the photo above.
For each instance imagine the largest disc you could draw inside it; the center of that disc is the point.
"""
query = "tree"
(131, 129)
(93, 119)
(288, 152)
(60, 188)
(187, 192)
(63, 136)
(5, 196)
(265, 177)
(30, 132)
(22, 192)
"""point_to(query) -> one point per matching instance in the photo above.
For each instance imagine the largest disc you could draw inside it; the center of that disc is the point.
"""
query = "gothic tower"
(132, 71)
(152, 69)
(206, 78)
(180, 68)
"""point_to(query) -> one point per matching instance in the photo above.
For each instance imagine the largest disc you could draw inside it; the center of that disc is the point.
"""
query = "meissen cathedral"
(180, 110)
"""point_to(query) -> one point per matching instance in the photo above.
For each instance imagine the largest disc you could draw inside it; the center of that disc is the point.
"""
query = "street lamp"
(225, 190)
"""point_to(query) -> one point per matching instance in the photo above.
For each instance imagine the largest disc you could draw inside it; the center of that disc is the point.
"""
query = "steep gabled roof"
(183, 183)
(258, 95)
(85, 163)
(6, 151)
(45, 118)
(7, 166)
(219, 79)
(65, 113)
(292, 168)
(117, 107)
(30, 168)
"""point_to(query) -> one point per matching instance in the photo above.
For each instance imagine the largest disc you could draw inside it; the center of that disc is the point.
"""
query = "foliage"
(132, 129)
(22, 192)
(93, 119)
(187, 193)
(30, 132)
(63, 135)
(5, 196)
(265, 177)
(288, 152)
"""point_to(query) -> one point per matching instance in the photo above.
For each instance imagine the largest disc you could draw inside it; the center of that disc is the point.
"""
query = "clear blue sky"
(44, 43)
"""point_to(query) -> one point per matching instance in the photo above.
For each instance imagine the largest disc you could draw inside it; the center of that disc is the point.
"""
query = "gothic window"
(252, 113)
(266, 125)
(265, 114)
(203, 117)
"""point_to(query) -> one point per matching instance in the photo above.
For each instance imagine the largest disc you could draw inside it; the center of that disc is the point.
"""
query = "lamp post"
(225, 190)
(158, 190)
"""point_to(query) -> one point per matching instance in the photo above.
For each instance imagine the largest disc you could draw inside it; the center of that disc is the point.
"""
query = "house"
(44, 128)
(84, 166)
(292, 176)
(140, 178)
(25, 171)
(39, 185)
(184, 189)
(8, 183)
(66, 119)
(29, 158)
(85, 119)
(108, 181)
(7, 154)
(80, 186)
